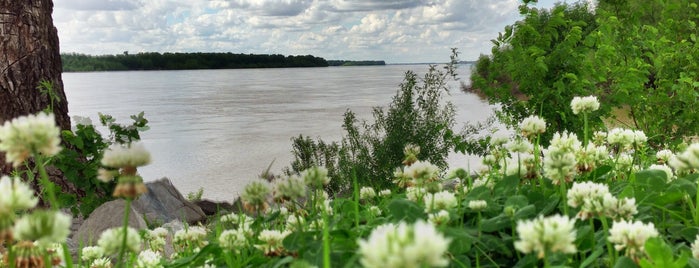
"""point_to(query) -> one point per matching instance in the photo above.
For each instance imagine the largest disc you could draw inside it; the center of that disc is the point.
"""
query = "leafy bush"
(369, 151)
(80, 160)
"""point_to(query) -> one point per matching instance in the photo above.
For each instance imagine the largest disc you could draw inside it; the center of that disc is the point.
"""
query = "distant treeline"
(355, 62)
(184, 61)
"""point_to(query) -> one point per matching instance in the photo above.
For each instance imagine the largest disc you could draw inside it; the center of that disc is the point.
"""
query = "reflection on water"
(218, 129)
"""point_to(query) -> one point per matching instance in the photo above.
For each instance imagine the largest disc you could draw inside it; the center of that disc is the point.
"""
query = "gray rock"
(108, 215)
(164, 203)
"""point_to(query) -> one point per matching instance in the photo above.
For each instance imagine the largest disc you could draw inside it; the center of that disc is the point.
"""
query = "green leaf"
(405, 210)
(625, 262)
(461, 240)
(496, 223)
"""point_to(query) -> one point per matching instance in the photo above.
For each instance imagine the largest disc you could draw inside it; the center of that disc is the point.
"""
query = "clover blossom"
(148, 259)
(289, 189)
(623, 138)
(519, 146)
(439, 201)
(477, 205)
(88, 254)
(695, 248)
(566, 141)
(101, 263)
(591, 156)
(24, 136)
(111, 240)
(687, 160)
(664, 156)
(190, 238)
(126, 157)
(367, 193)
(44, 227)
(385, 192)
(439, 218)
(234, 239)
(316, 177)
(522, 165)
(374, 211)
(559, 165)
(532, 126)
(421, 172)
(272, 242)
(584, 104)
(410, 151)
(546, 235)
(582, 192)
(631, 236)
(669, 175)
(254, 196)
(415, 193)
(404, 245)
(15, 195)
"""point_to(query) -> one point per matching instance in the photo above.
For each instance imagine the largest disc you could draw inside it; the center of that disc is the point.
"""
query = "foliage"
(184, 61)
(80, 160)
(370, 151)
(636, 56)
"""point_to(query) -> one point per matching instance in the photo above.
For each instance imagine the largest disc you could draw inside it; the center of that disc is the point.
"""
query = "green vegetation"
(355, 62)
(370, 151)
(184, 61)
(637, 56)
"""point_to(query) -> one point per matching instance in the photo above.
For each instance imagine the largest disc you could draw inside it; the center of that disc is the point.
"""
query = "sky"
(397, 31)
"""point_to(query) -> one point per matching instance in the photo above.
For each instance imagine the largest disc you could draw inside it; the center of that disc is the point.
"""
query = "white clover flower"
(670, 176)
(624, 162)
(498, 141)
(233, 239)
(689, 159)
(421, 172)
(639, 138)
(543, 235)
(385, 192)
(631, 236)
(366, 193)
(519, 146)
(316, 177)
(133, 156)
(559, 164)
(490, 160)
(439, 218)
(591, 156)
(374, 211)
(582, 192)
(24, 136)
(15, 195)
(440, 200)
(101, 263)
(664, 156)
(272, 241)
(91, 253)
(82, 120)
(624, 138)
(111, 240)
(485, 182)
(44, 227)
(404, 245)
(295, 223)
(477, 205)
(415, 193)
(695, 248)
(148, 259)
(291, 188)
(617, 209)
(599, 137)
(532, 125)
(255, 194)
(566, 141)
(106, 175)
(584, 104)
(191, 237)
(325, 206)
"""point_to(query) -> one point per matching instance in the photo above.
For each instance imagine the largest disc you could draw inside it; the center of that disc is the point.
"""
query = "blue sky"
(397, 31)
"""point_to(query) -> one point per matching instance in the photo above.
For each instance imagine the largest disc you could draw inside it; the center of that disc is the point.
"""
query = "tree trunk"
(29, 53)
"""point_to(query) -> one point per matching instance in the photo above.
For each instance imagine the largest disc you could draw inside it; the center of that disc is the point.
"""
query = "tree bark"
(29, 53)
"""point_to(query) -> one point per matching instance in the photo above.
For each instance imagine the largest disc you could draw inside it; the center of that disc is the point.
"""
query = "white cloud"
(391, 30)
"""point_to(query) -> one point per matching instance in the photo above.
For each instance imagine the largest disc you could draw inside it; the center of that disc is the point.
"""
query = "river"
(219, 129)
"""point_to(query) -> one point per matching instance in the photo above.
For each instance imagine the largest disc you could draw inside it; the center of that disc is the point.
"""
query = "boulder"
(210, 208)
(108, 215)
(164, 203)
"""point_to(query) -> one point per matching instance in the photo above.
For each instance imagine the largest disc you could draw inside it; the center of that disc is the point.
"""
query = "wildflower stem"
(66, 255)
(610, 250)
(356, 198)
(48, 185)
(122, 249)
(585, 131)
(326, 240)
(564, 197)
(10, 253)
(696, 211)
